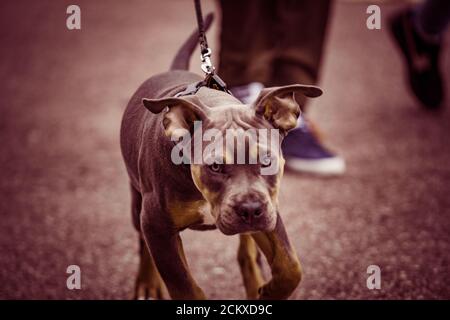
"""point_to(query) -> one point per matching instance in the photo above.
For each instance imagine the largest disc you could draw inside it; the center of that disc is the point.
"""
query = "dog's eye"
(216, 167)
(266, 162)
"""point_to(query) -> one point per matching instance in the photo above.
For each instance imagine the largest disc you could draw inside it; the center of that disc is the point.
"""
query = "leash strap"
(212, 80)
(201, 28)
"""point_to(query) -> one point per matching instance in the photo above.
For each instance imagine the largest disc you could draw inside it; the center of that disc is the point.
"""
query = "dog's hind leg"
(149, 284)
(249, 259)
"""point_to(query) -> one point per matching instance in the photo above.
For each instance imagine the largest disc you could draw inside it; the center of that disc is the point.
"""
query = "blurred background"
(64, 196)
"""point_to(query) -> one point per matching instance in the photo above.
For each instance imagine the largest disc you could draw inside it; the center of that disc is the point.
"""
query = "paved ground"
(63, 189)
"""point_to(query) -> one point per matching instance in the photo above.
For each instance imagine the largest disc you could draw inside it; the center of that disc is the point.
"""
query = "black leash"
(204, 49)
(212, 80)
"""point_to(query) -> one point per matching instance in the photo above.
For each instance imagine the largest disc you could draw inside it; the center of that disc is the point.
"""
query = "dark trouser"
(432, 16)
(272, 42)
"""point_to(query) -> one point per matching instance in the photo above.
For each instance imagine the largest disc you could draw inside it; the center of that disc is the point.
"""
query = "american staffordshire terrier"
(236, 198)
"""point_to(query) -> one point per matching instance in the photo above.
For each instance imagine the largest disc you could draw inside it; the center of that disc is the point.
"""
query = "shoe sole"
(324, 167)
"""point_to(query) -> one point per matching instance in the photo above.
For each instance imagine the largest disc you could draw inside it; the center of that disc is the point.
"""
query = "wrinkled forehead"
(234, 132)
(240, 145)
(225, 116)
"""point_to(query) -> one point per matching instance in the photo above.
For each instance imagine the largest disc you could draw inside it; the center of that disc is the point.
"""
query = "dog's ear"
(279, 106)
(179, 113)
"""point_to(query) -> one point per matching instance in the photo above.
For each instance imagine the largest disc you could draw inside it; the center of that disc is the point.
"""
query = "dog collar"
(212, 81)
(190, 89)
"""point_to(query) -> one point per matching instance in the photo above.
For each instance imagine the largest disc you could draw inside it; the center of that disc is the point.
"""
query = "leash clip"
(206, 65)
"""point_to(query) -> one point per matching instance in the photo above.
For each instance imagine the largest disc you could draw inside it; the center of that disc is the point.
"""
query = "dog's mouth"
(235, 226)
(226, 230)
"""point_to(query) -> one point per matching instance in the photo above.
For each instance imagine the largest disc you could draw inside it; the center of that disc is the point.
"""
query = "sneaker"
(422, 59)
(304, 153)
(247, 93)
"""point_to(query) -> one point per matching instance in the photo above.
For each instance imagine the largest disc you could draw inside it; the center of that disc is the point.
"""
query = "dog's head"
(234, 151)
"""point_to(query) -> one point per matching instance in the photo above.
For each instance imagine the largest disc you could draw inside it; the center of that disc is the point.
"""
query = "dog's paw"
(259, 295)
(149, 291)
(264, 293)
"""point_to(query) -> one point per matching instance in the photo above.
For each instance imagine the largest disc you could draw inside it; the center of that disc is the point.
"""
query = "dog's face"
(234, 152)
(239, 175)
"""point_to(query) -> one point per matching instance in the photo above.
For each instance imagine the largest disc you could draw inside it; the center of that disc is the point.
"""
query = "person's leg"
(418, 33)
(300, 33)
(246, 41)
(273, 43)
(301, 30)
(432, 17)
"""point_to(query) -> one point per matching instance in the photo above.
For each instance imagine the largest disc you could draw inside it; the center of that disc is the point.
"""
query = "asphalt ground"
(64, 196)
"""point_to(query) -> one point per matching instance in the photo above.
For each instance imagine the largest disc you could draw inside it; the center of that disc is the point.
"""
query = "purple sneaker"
(304, 153)
(247, 93)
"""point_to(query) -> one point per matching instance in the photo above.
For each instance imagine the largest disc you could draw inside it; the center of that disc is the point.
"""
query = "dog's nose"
(250, 211)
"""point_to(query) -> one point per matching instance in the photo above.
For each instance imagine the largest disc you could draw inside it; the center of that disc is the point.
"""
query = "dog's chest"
(196, 213)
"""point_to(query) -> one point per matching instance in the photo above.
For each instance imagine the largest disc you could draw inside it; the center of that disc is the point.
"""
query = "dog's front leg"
(249, 259)
(283, 261)
(167, 251)
(149, 284)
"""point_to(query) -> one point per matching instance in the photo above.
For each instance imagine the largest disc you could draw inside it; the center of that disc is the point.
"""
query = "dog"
(167, 198)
